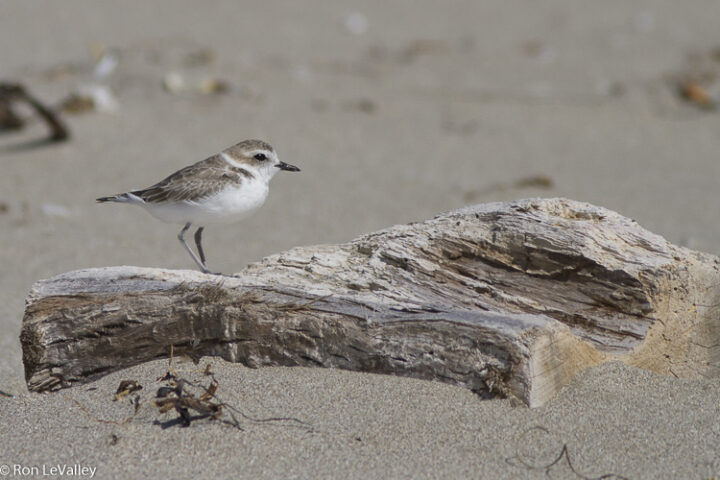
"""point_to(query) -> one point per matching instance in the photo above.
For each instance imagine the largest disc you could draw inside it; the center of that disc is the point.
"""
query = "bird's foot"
(204, 269)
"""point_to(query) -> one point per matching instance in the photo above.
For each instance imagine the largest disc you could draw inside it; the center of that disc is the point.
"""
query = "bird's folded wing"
(195, 182)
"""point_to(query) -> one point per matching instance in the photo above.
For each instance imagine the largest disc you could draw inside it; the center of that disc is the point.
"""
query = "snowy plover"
(224, 188)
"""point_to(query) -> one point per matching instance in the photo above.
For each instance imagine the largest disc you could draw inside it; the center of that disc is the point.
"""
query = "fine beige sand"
(395, 111)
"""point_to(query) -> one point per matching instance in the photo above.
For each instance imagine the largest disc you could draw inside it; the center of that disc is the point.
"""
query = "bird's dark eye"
(260, 156)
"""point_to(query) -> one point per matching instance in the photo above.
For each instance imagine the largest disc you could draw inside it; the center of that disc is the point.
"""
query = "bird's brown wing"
(195, 182)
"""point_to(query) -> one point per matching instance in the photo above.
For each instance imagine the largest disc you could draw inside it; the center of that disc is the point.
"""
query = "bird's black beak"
(287, 166)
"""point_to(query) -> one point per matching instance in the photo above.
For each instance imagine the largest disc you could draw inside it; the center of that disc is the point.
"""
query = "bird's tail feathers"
(121, 198)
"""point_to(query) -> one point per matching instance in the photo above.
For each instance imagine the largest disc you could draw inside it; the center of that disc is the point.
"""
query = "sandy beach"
(395, 112)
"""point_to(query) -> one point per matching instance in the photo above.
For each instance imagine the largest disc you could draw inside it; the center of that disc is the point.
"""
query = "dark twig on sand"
(11, 93)
(519, 458)
(136, 403)
(183, 395)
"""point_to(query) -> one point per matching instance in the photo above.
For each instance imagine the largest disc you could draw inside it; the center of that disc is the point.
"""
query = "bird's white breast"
(231, 204)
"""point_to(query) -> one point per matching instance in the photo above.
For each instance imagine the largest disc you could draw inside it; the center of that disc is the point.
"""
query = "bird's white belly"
(227, 206)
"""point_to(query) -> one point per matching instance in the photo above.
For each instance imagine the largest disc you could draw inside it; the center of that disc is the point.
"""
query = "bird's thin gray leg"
(198, 242)
(181, 237)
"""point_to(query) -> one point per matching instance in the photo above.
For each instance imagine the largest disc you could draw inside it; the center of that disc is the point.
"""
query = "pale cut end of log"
(507, 299)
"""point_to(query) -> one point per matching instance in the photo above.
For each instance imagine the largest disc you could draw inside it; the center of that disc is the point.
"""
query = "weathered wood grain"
(507, 299)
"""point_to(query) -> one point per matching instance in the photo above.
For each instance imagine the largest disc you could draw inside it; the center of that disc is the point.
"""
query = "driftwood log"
(507, 299)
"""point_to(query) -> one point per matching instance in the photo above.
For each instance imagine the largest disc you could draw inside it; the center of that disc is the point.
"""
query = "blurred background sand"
(395, 111)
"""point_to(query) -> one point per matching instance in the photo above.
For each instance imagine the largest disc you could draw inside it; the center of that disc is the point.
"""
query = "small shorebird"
(224, 188)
